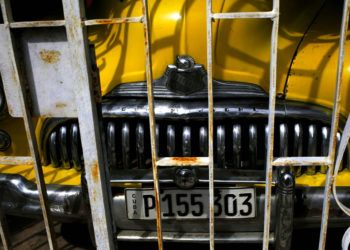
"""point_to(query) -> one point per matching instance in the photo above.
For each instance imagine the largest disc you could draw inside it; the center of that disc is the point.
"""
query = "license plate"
(229, 203)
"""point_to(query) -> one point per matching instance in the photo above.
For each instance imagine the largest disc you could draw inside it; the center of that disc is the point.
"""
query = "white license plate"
(230, 203)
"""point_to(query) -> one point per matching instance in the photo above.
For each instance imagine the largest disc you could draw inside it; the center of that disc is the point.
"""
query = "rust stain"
(95, 172)
(61, 105)
(50, 56)
(186, 159)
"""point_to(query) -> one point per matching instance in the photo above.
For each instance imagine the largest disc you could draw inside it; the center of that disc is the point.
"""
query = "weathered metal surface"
(152, 124)
(271, 123)
(107, 21)
(301, 161)
(210, 124)
(96, 176)
(18, 85)
(16, 160)
(234, 15)
(47, 59)
(335, 123)
(183, 161)
(37, 24)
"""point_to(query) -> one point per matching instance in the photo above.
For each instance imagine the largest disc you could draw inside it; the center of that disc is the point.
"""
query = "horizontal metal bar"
(149, 236)
(36, 24)
(107, 21)
(301, 161)
(166, 176)
(183, 161)
(236, 15)
(16, 160)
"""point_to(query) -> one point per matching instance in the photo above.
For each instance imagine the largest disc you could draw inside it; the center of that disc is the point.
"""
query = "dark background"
(30, 234)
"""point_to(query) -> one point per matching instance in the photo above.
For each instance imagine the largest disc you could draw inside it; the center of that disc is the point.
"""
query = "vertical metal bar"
(96, 175)
(210, 124)
(334, 127)
(152, 124)
(29, 127)
(5, 236)
(271, 124)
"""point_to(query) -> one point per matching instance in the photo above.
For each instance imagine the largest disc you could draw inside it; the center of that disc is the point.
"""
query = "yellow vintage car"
(308, 43)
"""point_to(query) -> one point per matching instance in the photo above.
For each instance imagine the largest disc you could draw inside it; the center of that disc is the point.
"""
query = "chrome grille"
(237, 144)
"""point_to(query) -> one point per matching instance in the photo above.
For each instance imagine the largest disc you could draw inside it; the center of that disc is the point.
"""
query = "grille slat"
(53, 149)
(63, 146)
(75, 146)
(283, 145)
(298, 145)
(140, 145)
(170, 140)
(186, 141)
(203, 141)
(237, 142)
(312, 147)
(111, 144)
(127, 145)
(324, 146)
(253, 145)
(220, 141)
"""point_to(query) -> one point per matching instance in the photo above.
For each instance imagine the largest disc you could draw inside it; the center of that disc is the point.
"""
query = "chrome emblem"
(185, 178)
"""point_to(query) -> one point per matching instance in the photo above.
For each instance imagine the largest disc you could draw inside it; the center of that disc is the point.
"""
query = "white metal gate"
(85, 110)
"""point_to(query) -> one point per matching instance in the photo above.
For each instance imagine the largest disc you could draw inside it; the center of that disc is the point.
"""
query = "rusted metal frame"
(300, 161)
(152, 123)
(4, 232)
(106, 21)
(334, 127)
(233, 15)
(182, 161)
(271, 124)
(96, 172)
(16, 160)
(210, 125)
(37, 24)
(29, 126)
